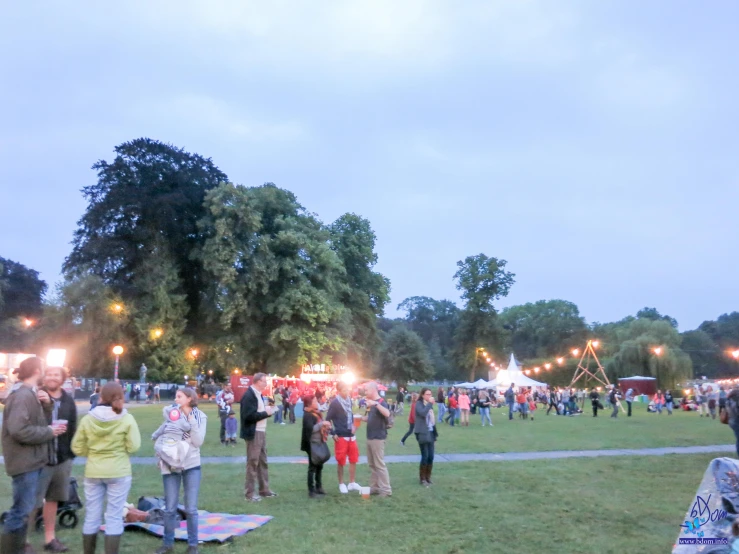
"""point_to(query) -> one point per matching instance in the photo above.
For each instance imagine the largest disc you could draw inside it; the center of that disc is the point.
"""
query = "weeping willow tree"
(651, 349)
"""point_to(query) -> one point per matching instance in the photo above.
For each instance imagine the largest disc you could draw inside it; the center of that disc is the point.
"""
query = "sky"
(592, 145)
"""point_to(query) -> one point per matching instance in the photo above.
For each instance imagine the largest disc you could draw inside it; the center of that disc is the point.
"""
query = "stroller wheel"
(68, 519)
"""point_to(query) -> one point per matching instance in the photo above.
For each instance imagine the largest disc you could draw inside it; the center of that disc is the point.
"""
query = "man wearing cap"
(26, 440)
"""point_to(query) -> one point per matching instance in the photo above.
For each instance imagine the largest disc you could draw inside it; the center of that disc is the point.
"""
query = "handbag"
(724, 417)
(319, 453)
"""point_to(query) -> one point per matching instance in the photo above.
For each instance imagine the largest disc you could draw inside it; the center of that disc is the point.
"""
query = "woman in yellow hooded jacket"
(107, 436)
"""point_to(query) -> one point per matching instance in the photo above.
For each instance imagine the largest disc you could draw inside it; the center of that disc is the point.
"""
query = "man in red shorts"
(345, 442)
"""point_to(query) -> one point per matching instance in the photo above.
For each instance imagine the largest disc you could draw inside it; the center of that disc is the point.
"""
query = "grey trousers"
(257, 469)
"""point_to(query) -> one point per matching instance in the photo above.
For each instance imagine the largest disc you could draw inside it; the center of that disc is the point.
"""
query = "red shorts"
(343, 448)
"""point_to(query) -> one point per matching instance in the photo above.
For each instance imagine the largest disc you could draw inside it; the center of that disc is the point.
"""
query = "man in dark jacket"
(595, 401)
(254, 416)
(341, 416)
(53, 486)
(26, 437)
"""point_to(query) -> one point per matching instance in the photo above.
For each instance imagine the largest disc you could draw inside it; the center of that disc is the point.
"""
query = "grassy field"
(583, 432)
(574, 506)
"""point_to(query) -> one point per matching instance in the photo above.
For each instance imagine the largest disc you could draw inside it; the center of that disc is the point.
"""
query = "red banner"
(240, 383)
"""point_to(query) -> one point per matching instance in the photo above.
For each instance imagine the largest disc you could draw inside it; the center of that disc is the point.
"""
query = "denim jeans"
(24, 500)
(442, 411)
(668, 405)
(96, 490)
(658, 405)
(427, 453)
(510, 410)
(190, 478)
(278, 416)
(485, 416)
(411, 426)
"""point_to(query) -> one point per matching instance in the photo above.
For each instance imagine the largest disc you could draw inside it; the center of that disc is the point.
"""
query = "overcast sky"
(592, 144)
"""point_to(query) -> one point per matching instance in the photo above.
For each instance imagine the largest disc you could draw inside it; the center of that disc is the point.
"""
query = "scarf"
(347, 405)
(319, 419)
(430, 420)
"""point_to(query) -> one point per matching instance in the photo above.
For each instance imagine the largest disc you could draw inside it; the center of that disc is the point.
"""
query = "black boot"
(89, 542)
(112, 544)
(319, 481)
(311, 482)
(429, 468)
(13, 543)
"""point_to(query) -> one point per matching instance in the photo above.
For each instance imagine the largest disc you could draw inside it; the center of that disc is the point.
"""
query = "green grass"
(575, 506)
(583, 432)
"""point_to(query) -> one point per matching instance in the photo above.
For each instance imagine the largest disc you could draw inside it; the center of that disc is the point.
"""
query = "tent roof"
(636, 378)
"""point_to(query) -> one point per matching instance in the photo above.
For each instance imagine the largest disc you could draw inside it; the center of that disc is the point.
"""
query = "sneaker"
(269, 494)
(354, 487)
(343, 489)
(55, 546)
(402, 443)
(282, 423)
(254, 498)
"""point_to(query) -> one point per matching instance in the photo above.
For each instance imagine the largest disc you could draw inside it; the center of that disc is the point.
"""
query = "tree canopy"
(404, 357)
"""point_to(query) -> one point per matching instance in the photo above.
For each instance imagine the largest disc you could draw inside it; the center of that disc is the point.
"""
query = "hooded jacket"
(107, 439)
(26, 436)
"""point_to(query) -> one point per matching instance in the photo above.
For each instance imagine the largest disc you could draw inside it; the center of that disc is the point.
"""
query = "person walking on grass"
(224, 400)
(315, 430)
(341, 417)
(53, 484)
(613, 399)
(523, 405)
(189, 477)
(376, 417)
(464, 408)
(254, 416)
(411, 418)
(452, 415)
(440, 402)
(658, 400)
(107, 436)
(483, 400)
(426, 434)
(26, 440)
(552, 402)
(595, 401)
(510, 399)
(670, 402)
(629, 400)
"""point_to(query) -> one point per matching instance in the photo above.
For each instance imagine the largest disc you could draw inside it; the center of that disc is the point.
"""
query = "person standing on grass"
(26, 440)
(483, 400)
(254, 416)
(658, 399)
(294, 397)
(341, 417)
(411, 418)
(721, 399)
(552, 402)
(452, 415)
(464, 408)
(595, 401)
(613, 398)
(107, 436)
(523, 406)
(732, 407)
(510, 399)
(225, 406)
(95, 398)
(53, 486)
(629, 400)
(426, 433)
(376, 417)
(278, 407)
(440, 402)
(315, 430)
(400, 401)
(189, 477)
(669, 402)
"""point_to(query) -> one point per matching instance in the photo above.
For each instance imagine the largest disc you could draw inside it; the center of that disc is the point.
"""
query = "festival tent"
(513, 374)
(641, 385)
(464, 385)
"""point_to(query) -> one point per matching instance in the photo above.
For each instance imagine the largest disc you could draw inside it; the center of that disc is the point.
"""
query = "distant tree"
(22, 294)
(654, 315)
(724, 332)
(482, 280)
(704, 353)
(404, 357)
(366, 292)
(543, 328)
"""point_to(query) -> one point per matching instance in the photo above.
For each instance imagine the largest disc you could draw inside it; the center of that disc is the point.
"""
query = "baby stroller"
(66, 511)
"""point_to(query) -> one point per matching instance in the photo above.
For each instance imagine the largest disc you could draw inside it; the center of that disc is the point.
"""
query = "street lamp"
(576, 352)
(117, 350)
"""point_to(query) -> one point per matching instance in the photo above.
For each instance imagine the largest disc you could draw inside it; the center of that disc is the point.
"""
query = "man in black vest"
(254, 416)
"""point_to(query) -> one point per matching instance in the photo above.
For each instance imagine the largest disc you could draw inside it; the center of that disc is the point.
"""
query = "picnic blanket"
(212, 527)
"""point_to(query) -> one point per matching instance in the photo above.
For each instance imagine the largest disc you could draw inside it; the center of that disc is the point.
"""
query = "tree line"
(188, 271)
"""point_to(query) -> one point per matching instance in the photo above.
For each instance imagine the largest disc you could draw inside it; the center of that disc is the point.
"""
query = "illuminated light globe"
(348, 378)
(117, 350)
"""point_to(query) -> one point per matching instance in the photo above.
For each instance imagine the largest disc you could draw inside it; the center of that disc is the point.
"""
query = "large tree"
(366, 292)
(151, 192)
(724, 332)
(482, 280)
(654, 315)
(543, 328)
(21, 294)
(404, 357)
(275, 285)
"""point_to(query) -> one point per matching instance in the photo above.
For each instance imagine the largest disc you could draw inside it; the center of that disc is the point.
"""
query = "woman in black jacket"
(315, 429)
(426, 434)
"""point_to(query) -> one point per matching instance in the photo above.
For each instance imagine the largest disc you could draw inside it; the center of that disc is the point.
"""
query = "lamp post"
(117, 350)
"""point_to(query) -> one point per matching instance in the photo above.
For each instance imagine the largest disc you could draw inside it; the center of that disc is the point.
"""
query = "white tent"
(464, 385)
(480, 384)
(513, 374)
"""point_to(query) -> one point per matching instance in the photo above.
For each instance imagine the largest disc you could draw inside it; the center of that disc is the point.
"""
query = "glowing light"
(735, 353)
(210, 372)
(236, 371)
(56, 357)
(547, 366)
(28, 322)
(527, 372)
(536, 370)
(596, 344)
(686, 392)
(560, 361)
(348, 378)
(306, 378)
(117, 308)
(492, 364)
(118, 350)
(576, 352)
(599, 389)
(194, 352)
(156, 333)
(658, 350)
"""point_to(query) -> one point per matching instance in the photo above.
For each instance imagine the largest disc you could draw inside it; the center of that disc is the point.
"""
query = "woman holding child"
(187, 401)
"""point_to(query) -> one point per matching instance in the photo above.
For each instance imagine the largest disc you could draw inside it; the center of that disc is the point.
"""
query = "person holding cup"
(26, 438)
(254, 414)
(426, 434)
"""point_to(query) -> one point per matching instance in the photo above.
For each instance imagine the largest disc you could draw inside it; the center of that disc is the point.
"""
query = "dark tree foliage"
(21, 296)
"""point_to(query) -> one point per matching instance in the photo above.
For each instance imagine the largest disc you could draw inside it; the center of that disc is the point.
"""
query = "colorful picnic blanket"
(211, 527)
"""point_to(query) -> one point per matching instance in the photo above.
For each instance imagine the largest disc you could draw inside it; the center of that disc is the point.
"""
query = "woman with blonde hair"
(107, 436)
